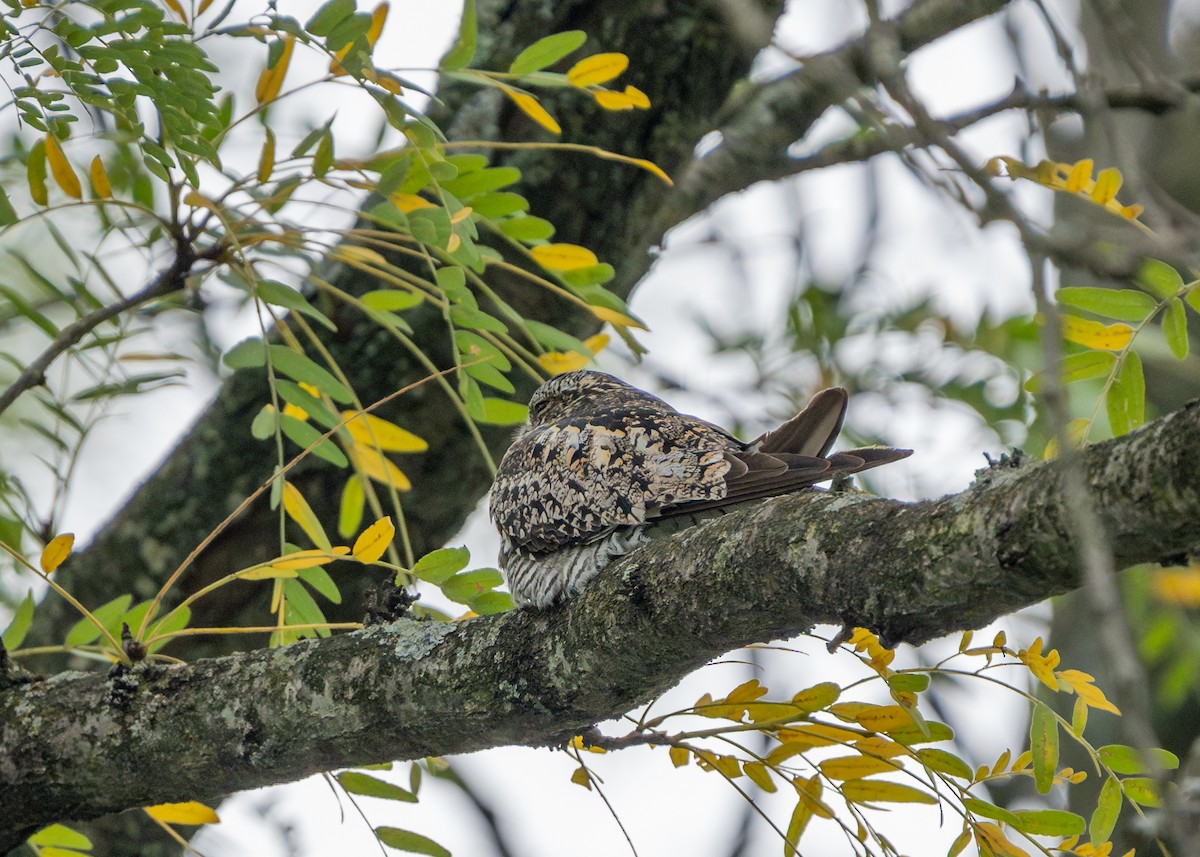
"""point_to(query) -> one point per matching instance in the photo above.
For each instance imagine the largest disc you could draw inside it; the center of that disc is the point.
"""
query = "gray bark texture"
(77, 746)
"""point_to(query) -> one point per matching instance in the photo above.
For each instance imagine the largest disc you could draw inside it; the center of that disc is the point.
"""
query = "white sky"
(924, 249)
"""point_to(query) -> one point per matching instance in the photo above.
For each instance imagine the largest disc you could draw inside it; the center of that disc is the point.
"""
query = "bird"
(601, 467)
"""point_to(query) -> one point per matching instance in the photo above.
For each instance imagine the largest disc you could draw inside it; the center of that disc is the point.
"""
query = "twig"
(171, 279)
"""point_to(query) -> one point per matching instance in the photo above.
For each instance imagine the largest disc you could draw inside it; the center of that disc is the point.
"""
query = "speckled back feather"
(601, 461)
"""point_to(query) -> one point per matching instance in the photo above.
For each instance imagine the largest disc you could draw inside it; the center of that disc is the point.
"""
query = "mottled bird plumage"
(603, 463)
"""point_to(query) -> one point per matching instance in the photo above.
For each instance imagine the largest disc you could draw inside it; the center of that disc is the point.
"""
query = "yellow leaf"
(61, 169)
(855, 767)
(758, 774)
(407, 202)
(533, 108)
(679, 756)
(564, 257)
(203, 7)
(378, 467)
(880, 791)
(1178, 586)
(581, 778)
(610, 100)
(578, 743)
(370, 430)
(290, 410)
(307, 559)
(198, 200)
(352, 254)
(1077, 431)
(57, 551)
(884, 718)
(266, 160)
(101, 186)
(461, 215)
(1041, 665)
(298, 510)
(616, 318)
(267, 572)
(558, 362)
(35, 171)
(600, 68)
(878, 745)
(191, 812)
(747, 692)
(810, 795)
(1081, 683)
(1108, 182)
(453, 242)
(817, 697)
(993, 837)
(1094, 334)
(818, 735)
(271, 79)
(177, 9)
(1080, 175)
(597, 343)
(374, 541)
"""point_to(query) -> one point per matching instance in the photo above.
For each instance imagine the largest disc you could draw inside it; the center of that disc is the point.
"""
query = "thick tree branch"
(77, 746)
(756, 139)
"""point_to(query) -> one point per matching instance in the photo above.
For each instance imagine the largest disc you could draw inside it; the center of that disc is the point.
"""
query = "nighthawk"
(602, 464)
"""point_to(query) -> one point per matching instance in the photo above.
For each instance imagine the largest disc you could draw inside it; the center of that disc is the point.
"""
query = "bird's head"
(575, 394)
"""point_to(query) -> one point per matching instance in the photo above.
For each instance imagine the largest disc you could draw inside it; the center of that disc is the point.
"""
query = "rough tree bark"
(83, 745)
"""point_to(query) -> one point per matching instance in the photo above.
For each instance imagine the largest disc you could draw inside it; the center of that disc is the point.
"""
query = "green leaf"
(296, 365)
(364, 784)
(1122, 759)
(350, 510)
(1159, 278)
(391, 300)
(486, 373)
(501, 412)
(1141, 790)
(60, 836)
(329, 16)
(84, 631)
(263, 425)
(463, 51)
(547, 51)
(247, 354)
(406, 840)
(280, 295)
(472, 346)
(491, 602)
(8, 214)
(176, 620)
(481, 181)
(294, 394)
(527, 228)
(1125, 304)
(975, 806)
(1126, 399)
(319, 579)
(15, 633)
(1108, 807)
(944, 762)
(439, 566)
(553, 339)
(464, 586)
(499, 204)
(1043, 743)
(475, 319)
(304, 436)
(303, 609)
(596, 275)
(1049, 822)
(430, 226)
(1175, 328)
(908, 682)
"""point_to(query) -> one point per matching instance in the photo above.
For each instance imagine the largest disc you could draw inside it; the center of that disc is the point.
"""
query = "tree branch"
(77, 746)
